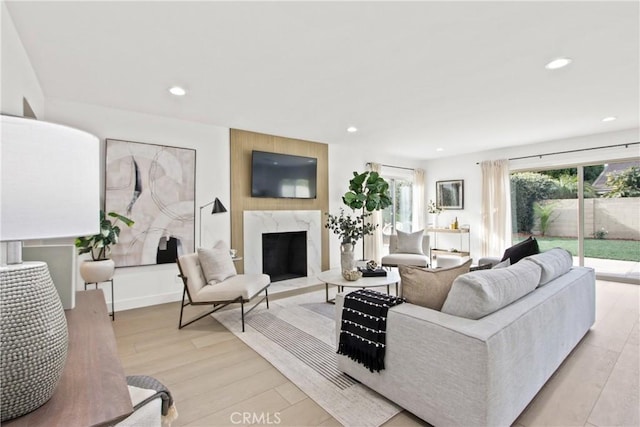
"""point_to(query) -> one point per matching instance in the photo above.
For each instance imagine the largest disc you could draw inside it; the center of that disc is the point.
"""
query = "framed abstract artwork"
(450, 194)
(154, 185)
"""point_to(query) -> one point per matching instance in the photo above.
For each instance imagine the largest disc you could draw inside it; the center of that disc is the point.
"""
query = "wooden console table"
(93, 388)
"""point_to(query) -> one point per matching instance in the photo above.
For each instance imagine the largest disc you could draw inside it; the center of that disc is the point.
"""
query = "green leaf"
(373, 177)
(122, 218)
(107, 236)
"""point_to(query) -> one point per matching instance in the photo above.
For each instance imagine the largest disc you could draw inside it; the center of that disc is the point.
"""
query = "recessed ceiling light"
(439, 149)
(177, 91)
(352, 129)
(558, 63)
(609, 119)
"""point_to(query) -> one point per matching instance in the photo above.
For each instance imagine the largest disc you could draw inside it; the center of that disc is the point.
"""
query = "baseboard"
(131, 303)
(631, 278)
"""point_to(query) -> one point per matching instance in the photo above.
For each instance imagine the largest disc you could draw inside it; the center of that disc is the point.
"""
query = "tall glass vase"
(347, 260)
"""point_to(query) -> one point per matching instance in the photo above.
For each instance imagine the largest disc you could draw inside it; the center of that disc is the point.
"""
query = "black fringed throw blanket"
(364, 325)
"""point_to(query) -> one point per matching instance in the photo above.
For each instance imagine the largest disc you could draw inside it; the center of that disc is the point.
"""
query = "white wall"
(148, 285)
(18, 76)
(343, 161)
(466, 167)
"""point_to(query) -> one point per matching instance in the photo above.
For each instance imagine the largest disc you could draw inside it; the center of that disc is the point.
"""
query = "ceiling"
(411, 76)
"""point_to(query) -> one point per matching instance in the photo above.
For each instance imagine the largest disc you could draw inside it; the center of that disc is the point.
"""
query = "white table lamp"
(49, 188)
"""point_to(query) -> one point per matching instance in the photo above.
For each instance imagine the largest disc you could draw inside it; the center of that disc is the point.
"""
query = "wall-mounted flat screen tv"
(285, 176)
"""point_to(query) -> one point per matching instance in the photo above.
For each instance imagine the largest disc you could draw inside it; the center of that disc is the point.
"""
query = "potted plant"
(367, 191)
(100, 268)
(349, 230)
(435, 211)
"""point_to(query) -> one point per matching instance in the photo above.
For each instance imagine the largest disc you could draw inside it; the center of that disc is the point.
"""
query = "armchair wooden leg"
(266, 297)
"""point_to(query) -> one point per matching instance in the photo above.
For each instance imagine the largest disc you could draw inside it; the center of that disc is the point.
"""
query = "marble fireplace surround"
(258, 222)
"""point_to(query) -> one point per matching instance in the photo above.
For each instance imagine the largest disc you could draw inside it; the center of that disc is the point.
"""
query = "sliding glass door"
(545, 205)
(612, 220)
(590, 210)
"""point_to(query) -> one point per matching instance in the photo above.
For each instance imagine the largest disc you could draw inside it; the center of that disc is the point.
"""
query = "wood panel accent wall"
(242, 144)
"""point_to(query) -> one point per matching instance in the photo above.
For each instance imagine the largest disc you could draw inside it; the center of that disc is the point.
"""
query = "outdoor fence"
(619, 217)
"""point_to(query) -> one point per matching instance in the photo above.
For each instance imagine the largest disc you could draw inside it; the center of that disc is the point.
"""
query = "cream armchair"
(398, 256)
(238, 288)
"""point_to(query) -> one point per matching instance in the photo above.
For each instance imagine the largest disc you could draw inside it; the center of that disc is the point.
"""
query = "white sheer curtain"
(417, 208)
(373, 243)
(496, 207)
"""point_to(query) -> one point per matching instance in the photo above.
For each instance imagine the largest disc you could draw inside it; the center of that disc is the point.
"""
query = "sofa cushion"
(241, 285)
(216, 263)
(521, 250)
(553, 263)
(428, 287)
(410, 243)
(475, 295)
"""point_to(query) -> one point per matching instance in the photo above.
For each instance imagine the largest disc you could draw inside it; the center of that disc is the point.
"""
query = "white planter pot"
(97, 271)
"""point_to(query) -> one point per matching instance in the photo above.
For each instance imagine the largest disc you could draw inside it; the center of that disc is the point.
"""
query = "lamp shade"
(50, 184)
(218, 207)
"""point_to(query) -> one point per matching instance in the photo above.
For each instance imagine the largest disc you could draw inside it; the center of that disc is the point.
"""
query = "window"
(399, 215)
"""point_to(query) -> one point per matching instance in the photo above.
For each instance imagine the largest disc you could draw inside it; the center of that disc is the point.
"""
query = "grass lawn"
(625, 250)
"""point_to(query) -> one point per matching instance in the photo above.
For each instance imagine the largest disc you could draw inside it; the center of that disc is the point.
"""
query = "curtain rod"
(626, 145)
(391, 166)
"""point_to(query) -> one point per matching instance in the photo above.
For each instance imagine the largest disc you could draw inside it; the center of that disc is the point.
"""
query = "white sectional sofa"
(454, 371)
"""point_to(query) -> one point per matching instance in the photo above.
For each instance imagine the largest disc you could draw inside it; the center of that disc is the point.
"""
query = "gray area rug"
(297, 336)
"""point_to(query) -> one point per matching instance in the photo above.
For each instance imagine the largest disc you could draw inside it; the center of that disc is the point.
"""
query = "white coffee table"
(334, 277)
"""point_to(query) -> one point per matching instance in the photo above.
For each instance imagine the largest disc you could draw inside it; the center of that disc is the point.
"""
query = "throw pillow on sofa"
(410, 243)
(216, 263)
(428, 287)
(475, 295)
(553, 263)
(521, 250)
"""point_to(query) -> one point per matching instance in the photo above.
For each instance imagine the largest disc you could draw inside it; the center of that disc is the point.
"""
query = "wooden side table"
(113, 310)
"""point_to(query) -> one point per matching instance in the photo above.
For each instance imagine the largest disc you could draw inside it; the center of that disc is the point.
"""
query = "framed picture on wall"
(154, 185)
(450, 194)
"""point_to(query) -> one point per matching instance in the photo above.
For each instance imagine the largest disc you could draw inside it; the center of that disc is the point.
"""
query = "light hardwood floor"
(215, 378)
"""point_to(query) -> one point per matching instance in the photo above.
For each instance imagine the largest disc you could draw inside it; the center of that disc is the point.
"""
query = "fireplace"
(257, 223)
(284, 255)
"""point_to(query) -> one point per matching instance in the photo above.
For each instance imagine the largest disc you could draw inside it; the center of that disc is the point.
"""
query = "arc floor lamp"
(218, 207)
